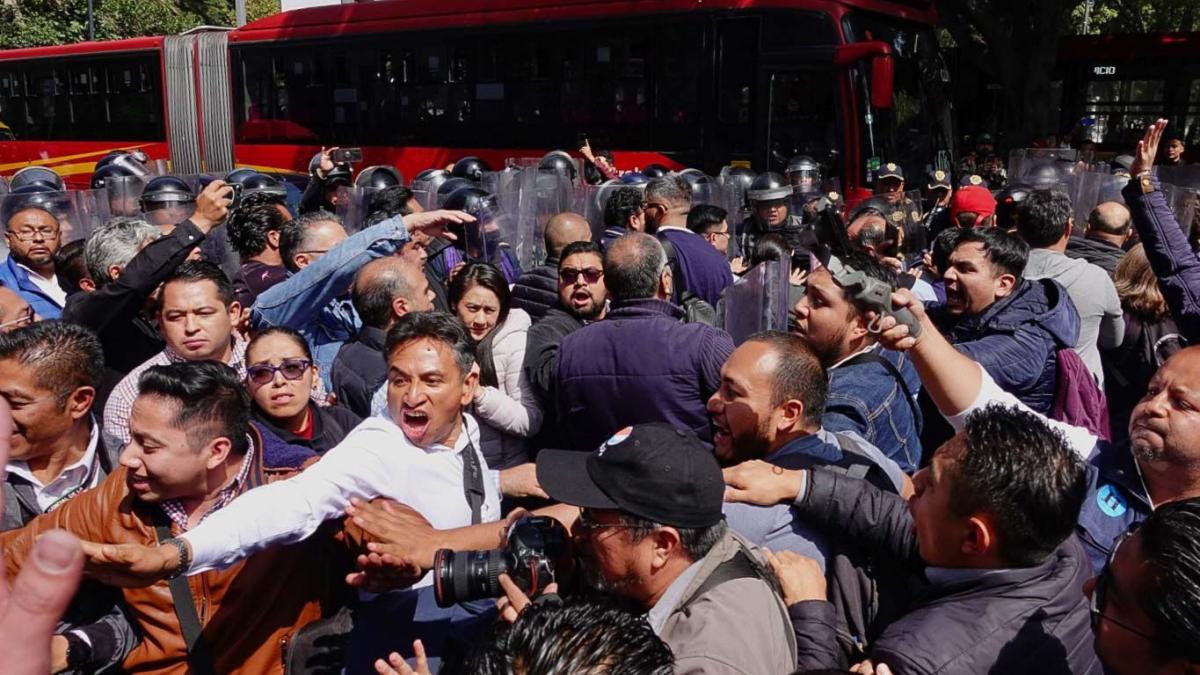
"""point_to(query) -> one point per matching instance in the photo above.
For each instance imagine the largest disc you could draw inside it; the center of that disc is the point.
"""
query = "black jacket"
(359, 369)
(1100, 253)
(97, 611)
(541, 369)
(1025, 620)
(537, 290)
(330, 426)
(114, 311)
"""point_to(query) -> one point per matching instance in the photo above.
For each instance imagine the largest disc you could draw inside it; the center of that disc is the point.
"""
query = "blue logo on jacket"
(1110, 501)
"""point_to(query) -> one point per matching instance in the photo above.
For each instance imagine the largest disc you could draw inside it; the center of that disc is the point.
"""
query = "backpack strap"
(199, 659)
(677, 289)
(856, 463)
(740, 566)
(872, 357)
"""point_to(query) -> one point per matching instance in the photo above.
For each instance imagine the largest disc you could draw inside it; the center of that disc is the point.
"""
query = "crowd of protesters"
(243, 435)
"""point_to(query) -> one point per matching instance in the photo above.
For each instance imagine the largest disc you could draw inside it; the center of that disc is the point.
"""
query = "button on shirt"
(82, 475)
(375, 460)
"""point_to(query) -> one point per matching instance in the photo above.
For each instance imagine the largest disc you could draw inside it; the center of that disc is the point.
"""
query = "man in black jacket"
(582, 298)
(1108, 229)
(537, 290)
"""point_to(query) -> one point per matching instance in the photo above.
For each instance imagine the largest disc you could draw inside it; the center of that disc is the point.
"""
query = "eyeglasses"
(569, 275)
(32, 235)
(292, 369)
(1100, 593)
(23, 319)
(587, 524)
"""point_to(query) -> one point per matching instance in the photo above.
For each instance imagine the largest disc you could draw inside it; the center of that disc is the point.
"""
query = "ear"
(114, 272)
(978, 539)
(666, 544)
(216, 452)
(469, 386)
(235, 311)
(858, 326)
(301, 260)
(666, 284)
(273, 239)
(399, 307)
(1005, 283)
(79, 403)
(87, 285)
(789, 416)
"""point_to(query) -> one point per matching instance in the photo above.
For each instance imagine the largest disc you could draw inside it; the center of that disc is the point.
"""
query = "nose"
(129, 457)
(714, 406)
(277, 379)
(1157, 405)
(189, 323)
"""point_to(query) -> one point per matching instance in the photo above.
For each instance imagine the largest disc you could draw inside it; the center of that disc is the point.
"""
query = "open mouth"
(137, 483)
(581, 299)
(414, 423)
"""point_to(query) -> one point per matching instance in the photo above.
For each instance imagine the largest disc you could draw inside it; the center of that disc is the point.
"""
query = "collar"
(661, 611)
(953, 576)
(33, 275)
(864, 350)
(1114, 464)
(89, 460)
(236, 361)
(645, 307)
(808, 446)
(178, 515)
(372, 337)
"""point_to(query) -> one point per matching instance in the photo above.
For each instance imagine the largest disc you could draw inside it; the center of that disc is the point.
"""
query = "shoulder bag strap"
(185, 609)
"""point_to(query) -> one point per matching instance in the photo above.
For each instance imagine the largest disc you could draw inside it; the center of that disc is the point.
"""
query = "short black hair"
(294, 234)
(577, 247)
(481, 274)
(387, 203)
(1004, 251)
(438, 326)
(799, 374)
(1025, 475)
(579, 634)
(621, 206)
(248, 227)
(1170, 538)
(704, 217)
(70, 267)
(872, 268)
(290, 333)
(212, 401)
(770, 247)
(1042, 218)
(194, 271)
(64, 356)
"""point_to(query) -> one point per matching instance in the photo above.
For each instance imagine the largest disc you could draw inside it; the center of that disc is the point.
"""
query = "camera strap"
(473, 481)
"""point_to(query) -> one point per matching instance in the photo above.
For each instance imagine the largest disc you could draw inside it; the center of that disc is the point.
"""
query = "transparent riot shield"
(494, 237)
(590, 201)
(1042, 167)
(758, 301)
(353, 205)
(709, 192)
(1180, 176)
(1090, 188)
(1184, 203)
(91, 210)
(733, 195)
(121, 194)
(40, 222)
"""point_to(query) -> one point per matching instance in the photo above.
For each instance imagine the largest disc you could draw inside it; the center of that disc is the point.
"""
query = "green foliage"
(1135, 16)
(33, 23)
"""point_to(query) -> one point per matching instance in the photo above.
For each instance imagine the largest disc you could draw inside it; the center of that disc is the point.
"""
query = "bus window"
(802, 116)
(737, 40)
(1122, 109)
(679, 60)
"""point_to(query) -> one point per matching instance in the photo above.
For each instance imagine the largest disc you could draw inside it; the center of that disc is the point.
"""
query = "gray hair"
(673, 190)
(633, 266)
(293, 236)
(116, 242)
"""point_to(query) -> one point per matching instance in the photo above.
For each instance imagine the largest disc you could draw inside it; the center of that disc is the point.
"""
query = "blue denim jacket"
(312, 301)
(1115, 501)
(16, 279)
(868, 399)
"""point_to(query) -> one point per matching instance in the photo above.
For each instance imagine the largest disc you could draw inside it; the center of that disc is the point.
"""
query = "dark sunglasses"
(292, 369)
(1100, 592)
(590, 275)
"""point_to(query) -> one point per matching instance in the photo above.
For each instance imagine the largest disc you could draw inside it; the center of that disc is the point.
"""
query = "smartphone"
(581, 140)
(346, 156)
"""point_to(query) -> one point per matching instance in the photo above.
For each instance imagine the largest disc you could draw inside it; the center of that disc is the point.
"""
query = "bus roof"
(395, 15)
(1127, 46)
(97, 47)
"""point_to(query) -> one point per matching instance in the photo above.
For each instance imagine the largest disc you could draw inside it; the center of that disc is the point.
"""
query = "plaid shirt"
(120, 401)
(174, 508)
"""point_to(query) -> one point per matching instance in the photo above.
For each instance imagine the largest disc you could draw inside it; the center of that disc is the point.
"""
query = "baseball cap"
(971, 179)
(938, 180)
(651, 471)
(972, 199)
(889, 170)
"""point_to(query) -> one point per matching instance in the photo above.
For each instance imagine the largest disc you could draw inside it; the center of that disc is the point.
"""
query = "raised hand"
(212, 205)
(433, 223)
(1147, 148)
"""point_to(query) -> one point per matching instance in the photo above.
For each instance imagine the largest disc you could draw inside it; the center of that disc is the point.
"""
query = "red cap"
(972, 199)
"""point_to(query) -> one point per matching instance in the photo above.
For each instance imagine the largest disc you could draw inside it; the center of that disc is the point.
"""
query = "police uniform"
(905, 214)
(938, 217)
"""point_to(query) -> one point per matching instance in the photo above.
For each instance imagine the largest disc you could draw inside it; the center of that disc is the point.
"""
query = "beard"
(829, 351)
(595, 582)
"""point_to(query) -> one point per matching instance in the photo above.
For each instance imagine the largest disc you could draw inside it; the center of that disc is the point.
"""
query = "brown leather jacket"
(249, 611)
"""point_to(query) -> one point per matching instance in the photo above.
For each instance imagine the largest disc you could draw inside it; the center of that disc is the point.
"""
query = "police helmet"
(35, 195)
(877, 205)
(635, 178)
(559, 162)
(1008, 201)
(102, 176)
(737, 177)
(239, 175)
(430, 180)
(340, 175)
(655, 171)
(452, 185)
(31, 175)
(378, 177)
(477, 202)
(803, 171)
(261, 183)
(163, 190)
(768, 187)
(471, 168)
(1043, 175)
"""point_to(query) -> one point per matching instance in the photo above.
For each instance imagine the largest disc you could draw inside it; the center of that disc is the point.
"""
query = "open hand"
(1147, 148)
(130, 565)
(433, 223)
(396, 665)
(800, 577)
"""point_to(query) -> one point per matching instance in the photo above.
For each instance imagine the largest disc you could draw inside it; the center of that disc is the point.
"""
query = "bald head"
(388, 288)
(563, 229)
(633, 268)
(1110, 218)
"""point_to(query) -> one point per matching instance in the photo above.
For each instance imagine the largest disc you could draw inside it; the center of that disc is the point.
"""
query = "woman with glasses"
(505, 405)
(281, 378)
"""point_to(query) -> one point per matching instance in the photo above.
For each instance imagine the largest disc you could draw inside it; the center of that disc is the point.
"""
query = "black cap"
(938, 180)
(889, 170)
(651, 471)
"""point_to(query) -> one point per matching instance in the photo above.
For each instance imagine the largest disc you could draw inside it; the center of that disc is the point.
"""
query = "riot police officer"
(325, 177)
(770, 205)
(804, 175)
(167, 201)
(938, 191)
(900, 211)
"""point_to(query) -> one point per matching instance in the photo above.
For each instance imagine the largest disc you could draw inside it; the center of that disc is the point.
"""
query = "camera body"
(346, 156)
(533, 545)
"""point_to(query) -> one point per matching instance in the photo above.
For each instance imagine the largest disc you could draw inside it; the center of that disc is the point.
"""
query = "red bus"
(418, 83)
(1121, 83)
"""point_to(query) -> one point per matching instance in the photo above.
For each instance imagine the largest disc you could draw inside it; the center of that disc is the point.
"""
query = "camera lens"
(467, 575)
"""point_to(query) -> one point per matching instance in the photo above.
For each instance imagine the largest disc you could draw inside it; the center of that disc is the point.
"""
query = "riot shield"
(1183, 202)
(1042, 167)
(709, 192)
(1090, 188)
(590, 201)
(734, 195)
(758, 301)
(46, 220)
(121, 194)
(1187, 176)
(353, 206)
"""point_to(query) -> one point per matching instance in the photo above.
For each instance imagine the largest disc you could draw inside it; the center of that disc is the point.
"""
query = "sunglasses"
(1100, 592)
(292, 369)
(591, 275)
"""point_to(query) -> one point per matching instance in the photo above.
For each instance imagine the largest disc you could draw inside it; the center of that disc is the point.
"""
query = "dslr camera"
(533, 545)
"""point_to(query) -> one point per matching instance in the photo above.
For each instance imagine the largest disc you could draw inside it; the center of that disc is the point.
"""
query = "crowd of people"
(244, 436)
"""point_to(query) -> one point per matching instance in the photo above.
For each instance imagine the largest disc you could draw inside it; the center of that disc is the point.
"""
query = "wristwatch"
(185, 555)
(79, 652)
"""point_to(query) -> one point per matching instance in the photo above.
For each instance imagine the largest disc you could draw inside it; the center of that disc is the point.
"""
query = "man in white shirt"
(48, 375)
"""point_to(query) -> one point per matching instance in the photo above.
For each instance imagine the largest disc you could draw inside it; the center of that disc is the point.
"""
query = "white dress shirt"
(82, 475)
(48, 286)
(375, 460)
